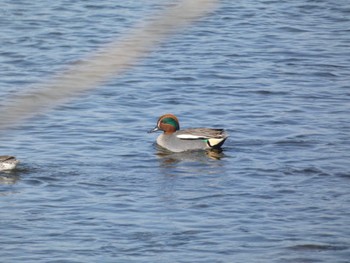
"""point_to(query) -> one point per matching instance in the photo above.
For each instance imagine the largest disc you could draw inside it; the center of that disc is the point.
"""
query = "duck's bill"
(154, 129)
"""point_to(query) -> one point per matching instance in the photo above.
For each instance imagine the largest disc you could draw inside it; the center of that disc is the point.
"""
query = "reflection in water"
(215, 154)
(14, 176)
(169, 158)
(6, 182)
(8, 178)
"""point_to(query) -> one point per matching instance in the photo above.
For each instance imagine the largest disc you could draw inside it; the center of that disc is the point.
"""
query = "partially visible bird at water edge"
(8, 162)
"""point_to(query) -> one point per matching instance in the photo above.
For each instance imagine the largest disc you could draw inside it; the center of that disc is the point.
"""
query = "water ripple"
(92, 185)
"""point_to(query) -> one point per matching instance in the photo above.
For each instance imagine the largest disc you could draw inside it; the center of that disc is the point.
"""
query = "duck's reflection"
(8, 178)
(169, 158)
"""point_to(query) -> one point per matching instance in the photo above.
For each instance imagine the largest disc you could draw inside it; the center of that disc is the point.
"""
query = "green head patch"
(171, 122)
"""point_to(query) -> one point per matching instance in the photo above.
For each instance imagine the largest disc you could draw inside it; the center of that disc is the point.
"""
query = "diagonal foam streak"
(105, 63)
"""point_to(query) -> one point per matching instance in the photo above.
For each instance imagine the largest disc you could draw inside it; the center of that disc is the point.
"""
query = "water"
(92, 185)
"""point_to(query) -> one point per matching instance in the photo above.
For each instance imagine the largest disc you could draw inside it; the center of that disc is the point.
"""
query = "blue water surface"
(93, 187)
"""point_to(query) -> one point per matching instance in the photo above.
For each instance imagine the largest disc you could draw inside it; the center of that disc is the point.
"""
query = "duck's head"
(167, 123)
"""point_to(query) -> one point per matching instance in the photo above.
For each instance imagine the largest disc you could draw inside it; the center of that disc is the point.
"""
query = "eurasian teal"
(176, 140)
(8, 162)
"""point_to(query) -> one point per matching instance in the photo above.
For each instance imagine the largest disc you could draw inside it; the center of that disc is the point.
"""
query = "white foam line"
(105, 63)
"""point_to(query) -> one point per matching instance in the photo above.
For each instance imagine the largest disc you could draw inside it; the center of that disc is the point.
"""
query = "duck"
(175, 140)
(8, 162)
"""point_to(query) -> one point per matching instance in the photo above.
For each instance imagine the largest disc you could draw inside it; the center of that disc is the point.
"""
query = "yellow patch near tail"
(213, 141)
